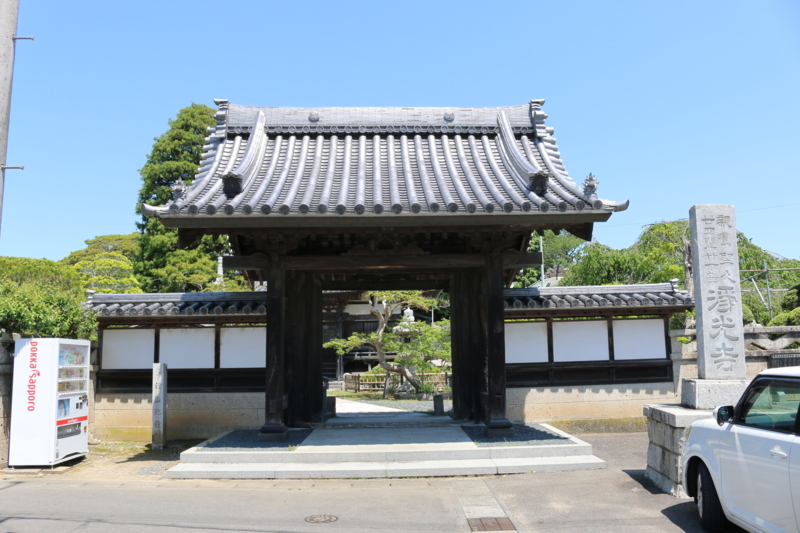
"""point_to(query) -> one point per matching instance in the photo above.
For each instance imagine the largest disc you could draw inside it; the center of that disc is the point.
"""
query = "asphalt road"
(618, 499)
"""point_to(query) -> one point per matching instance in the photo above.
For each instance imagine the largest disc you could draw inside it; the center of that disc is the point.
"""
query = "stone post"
(718, 302)
(159, 406)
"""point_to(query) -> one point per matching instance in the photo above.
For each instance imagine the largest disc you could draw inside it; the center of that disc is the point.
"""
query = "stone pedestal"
(711, 393)
(666, 425)
(331, 406)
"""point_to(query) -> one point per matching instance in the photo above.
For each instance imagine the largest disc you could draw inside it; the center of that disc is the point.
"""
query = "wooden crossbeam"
(347, 263)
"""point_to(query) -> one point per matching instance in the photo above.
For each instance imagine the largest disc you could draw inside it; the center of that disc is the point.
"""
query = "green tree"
(124, 245)
(561, 248)
(662, 253)
(384, 305)
(426, 343)
(175, 155)
(109, 273)
(44, 298)
(603, 265)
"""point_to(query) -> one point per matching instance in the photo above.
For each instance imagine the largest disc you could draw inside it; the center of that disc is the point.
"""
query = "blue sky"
(669, 104)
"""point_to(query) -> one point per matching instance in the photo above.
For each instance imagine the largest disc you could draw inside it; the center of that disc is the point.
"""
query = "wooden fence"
(374, 382)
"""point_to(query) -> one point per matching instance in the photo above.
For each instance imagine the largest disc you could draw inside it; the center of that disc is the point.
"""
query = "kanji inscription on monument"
(159, 406)
(717, 292)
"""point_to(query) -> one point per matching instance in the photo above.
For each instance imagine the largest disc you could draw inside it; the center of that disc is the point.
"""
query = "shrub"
(747, 314)
(426, 388)
(792, 318)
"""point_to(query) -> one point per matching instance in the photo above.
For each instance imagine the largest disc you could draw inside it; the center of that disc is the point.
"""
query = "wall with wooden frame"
(591, 351)
(228, 357)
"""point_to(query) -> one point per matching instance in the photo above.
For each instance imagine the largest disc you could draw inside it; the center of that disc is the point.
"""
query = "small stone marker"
(717, 292)
(331, 406)
(159, 406)
(438, 405)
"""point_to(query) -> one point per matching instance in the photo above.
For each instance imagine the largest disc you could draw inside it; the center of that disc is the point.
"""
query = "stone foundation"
(665, 427)
(585, 403)
(128, 416)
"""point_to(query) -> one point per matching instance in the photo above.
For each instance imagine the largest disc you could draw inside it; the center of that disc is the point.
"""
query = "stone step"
(209, 455)
(383, 469)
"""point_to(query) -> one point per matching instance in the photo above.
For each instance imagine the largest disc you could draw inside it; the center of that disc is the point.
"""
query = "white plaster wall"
(243, 347)
(580, 340)
(187, 347)
(639, 339)
(128, 348)
(526, 342)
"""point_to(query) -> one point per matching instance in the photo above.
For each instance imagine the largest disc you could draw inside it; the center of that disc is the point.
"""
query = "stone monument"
(159, 406)
(721, 363)
(720, 344)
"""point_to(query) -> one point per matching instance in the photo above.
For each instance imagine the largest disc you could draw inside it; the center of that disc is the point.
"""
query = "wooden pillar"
(469, 346)
(497, 424)
(460, 345)
(295, 341)
(274, 427)
(314, 389)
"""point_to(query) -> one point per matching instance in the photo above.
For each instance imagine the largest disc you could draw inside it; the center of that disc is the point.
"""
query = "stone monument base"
(711, 393)
(665, 427)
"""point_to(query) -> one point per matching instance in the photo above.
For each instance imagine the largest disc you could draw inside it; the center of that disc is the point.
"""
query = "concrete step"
(387, 420)
(383, 469)
(209, 455)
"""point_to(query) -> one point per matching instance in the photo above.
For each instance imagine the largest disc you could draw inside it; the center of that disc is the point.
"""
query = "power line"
(737, 212)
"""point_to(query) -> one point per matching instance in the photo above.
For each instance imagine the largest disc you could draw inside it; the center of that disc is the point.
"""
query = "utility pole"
(9, 11)
(541, 249)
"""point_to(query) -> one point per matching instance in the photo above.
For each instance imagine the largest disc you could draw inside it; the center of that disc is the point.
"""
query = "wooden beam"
(385, 285)
(352, 263)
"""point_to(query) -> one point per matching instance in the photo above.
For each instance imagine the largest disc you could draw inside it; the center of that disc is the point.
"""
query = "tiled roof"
(179, 303)
(329, 162)
(254, 303)
(604, 296)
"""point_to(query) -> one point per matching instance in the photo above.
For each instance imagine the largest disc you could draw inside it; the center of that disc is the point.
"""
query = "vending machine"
(50, 402)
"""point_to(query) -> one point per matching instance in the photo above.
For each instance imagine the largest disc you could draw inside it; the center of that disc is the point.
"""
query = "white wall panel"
(128, 349)
(639, 339)
(243, 347)
(187, 347)
(580, 340)
(526, 342)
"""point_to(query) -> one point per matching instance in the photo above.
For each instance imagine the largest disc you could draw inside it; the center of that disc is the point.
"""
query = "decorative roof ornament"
(537, 104)
(449, 117)
(313, 116)
(538, 183)
(590, 185)
(178, 188)
(231, 185)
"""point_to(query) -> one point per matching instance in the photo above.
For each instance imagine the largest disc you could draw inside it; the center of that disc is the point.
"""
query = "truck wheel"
(712, 518)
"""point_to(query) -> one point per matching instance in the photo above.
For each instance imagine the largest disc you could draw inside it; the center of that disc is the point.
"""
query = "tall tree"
(124, 245)
(175, 155)
(109, 273)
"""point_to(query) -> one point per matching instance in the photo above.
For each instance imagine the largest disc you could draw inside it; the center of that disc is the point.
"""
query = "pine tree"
(175, 155)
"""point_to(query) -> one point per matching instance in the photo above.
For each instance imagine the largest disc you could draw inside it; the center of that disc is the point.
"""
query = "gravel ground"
(523, 436)
(157, 469)
(244, 439)
(416, 406)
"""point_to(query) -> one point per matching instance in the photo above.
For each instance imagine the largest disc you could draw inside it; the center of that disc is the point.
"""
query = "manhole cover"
(321, 518)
